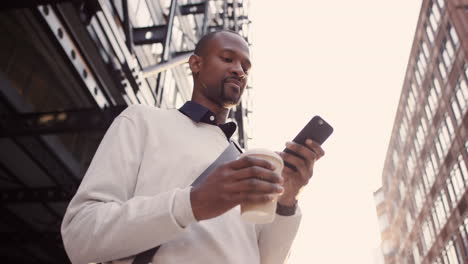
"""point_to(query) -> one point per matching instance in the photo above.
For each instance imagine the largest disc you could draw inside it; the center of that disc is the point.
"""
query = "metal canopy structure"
(67, 69)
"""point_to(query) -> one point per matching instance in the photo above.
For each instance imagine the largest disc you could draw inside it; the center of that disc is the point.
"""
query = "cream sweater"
(136, 196)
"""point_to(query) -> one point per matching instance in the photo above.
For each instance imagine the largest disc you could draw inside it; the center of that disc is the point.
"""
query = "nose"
(238, 70)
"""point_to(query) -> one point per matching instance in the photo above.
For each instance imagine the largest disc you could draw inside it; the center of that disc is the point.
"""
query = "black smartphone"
(317, 129)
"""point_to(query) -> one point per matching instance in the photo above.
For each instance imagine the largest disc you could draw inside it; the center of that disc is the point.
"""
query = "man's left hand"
(294, 180)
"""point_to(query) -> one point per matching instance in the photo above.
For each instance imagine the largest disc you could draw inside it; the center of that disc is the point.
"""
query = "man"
(136, 194)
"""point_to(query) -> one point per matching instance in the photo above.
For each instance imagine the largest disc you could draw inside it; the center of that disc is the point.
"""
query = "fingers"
(260, 173)
(249, 161)
(310, 152)
(296, 161)
(239, 198)
(255, 186)
(315, 147)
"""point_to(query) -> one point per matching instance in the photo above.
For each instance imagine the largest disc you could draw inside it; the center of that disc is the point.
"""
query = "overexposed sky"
(345, 61)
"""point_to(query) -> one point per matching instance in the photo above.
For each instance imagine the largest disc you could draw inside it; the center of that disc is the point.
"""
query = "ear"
(195, 63)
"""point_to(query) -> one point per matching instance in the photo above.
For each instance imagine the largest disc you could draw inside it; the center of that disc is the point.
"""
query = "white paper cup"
(261, 213)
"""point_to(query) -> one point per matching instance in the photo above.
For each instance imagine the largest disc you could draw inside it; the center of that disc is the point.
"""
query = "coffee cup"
(261, 213)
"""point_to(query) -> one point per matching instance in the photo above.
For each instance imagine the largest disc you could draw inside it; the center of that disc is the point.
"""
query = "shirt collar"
(199, 113)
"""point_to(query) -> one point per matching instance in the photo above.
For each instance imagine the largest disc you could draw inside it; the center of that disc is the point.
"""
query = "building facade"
(67, 69)
(422, 204)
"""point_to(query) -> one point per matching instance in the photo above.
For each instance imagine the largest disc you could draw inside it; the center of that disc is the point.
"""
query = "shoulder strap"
(229, 154)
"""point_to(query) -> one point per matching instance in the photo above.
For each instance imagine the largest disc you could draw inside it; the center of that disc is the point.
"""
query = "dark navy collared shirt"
(199, 113)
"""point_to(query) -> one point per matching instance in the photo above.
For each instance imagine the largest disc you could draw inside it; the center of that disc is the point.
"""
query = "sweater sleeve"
(275, 239)
(104, 220)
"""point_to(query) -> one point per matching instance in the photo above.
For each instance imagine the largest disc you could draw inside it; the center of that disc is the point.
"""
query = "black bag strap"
(229, 154)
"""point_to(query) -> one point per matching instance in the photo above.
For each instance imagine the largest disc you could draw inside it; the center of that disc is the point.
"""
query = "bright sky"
(344, 61)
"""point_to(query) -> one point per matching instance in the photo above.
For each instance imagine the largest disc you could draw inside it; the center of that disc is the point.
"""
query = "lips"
(233, 81)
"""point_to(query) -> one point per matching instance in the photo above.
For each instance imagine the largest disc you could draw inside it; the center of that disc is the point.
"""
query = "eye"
(226, 59)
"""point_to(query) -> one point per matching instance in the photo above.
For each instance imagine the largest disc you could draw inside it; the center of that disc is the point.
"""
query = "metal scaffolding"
(68, 68)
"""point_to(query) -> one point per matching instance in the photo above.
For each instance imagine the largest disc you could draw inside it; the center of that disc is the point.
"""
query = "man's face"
(224, 69)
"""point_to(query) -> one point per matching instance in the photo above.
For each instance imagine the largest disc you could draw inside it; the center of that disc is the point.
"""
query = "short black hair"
(201, 44)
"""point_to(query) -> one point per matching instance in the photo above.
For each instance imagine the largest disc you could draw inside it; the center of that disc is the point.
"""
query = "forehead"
(228, 41)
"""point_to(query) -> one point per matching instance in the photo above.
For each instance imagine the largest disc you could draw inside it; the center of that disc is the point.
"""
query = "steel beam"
(34, 3)
(158, 68)
(127, 26)
(33, 124)
(166, 47)
(37, 195)
(239, 116)
(193, 9)
(149, 35)
(170, 24)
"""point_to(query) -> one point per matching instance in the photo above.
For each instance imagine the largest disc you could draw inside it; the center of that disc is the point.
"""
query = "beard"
(227, 97)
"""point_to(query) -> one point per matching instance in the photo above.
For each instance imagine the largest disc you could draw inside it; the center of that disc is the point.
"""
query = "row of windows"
(459, 102)
(446, 130)
(457, 182)
(434, 15)
(450, 254)
(422, 59)
(430, 109)
(444, 137)
(446, 200)
(448, 49)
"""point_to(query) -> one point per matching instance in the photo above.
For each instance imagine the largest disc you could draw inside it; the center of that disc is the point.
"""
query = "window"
(441, 211)
(436, 84)
(448, 54)
(411, 103)
(441, 4)
(442, 70)
(434, 17)
(421, 63)
(425, 50)
(464, 235)
(444, 137)
(453, 35)
(418, 197)
(456, 110)
(420, 135)
(459, 100)
(457, 180)
(430, 170)
(411, 163)
(403, 130)
(437, 224)
(429, 33)
(427, 235)
(451, 48)
(450, 254)
(432, 99)
(419, 72)
(450, 131)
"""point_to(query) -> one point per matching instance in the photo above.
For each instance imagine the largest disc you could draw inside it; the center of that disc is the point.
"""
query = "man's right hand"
(246, 180)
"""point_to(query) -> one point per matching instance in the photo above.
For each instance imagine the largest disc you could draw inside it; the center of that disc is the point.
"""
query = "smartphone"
(317, 129)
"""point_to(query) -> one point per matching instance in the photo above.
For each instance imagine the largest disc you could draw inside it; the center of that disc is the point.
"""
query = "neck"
(220, 112)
